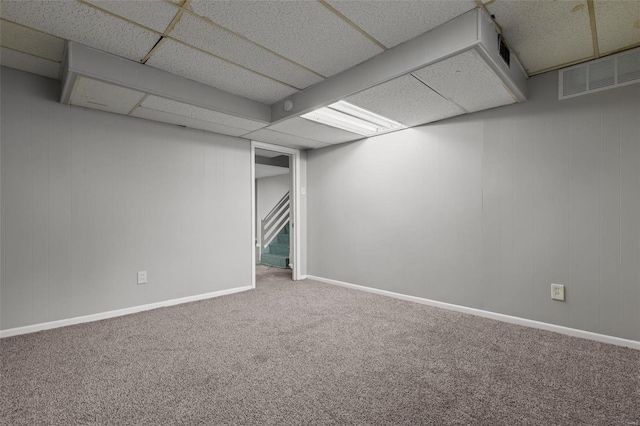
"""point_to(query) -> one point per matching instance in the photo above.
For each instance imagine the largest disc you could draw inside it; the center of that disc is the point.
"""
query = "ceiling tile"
(283, 139)
(213, 39)
(416, 16)
(197, 113)
(545, 34)
(33, 64)
(165, 117)
(179, 59)
(467, 80)
(90, 93)
(407, 100)
(31, 41)
(618, 24)
(75, 21)
(155, 14)
(301, 127)
(303, 31)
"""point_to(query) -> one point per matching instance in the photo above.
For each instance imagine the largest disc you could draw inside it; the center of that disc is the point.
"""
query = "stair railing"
(275, 220)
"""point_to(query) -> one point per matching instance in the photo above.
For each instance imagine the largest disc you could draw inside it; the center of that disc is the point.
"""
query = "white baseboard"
(117, 313)
(492, 315)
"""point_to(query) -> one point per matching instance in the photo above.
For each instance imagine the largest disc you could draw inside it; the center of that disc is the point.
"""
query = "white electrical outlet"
(142, 277)
(557, 291)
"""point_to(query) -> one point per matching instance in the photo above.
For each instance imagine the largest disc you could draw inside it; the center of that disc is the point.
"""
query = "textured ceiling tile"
(545, 34)
(223, 43)
(202, 114)
(407, 100)
(303, 31)
(176, 58)
(31, 41)
(468, 81)
(155, 14)
(165, 117)
(21, 61)
(271, 136)
(75, 21)
(618, 24)
(412, 17)
(95, 94)
(304, 128)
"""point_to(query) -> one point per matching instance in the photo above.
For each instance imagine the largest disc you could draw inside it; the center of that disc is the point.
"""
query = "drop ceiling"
(265, 51)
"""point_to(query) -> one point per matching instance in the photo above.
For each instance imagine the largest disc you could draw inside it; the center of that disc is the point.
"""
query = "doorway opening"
(275, 237)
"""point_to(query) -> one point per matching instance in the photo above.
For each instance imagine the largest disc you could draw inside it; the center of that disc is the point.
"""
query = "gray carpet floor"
(312, 353)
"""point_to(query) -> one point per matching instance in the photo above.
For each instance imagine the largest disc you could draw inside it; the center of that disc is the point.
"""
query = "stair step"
(281, 249)
(277, 260)
(283, 238)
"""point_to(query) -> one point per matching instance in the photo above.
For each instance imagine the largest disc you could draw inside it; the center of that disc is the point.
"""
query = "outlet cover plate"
(557, 291)
(142, 277)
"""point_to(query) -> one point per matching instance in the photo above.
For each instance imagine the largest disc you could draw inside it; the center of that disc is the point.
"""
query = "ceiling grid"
(410, 17)
(353, 24)
(306, 32)
(164, 36)
(210, 22)
(78, 21)
(219, 42)
(214, 71)
(169, 28)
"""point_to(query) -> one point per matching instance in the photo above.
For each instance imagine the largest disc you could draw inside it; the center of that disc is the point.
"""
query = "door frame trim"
(295, 206)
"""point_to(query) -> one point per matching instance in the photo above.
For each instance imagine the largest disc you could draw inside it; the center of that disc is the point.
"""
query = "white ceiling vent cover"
(602, 74)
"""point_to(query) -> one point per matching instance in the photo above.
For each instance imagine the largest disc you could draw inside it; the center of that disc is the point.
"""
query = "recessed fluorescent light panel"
(349, 117)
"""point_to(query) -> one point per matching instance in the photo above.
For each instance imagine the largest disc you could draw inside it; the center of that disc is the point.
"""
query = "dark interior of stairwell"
(273, 219)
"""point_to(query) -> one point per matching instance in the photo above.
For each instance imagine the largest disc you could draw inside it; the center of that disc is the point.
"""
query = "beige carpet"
(312, 353)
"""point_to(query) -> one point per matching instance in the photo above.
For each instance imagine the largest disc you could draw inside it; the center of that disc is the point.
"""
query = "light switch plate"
(142, 277)
(557, 291)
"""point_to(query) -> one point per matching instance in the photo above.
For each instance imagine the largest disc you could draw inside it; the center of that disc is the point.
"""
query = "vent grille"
(629, 67)
(575, 81)
(602, 74)
(505, 54)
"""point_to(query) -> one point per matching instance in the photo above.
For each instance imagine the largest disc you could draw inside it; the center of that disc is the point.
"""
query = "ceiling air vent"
(629, 67)
(602, 74)
(505, 54)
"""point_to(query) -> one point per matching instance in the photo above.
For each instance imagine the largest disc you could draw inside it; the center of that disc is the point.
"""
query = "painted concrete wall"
(489, 209)
(269, 191)
(90, 198)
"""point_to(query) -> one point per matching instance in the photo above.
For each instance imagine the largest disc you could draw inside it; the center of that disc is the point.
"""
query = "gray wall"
(90, 198)
(269, 191)
(489, 209)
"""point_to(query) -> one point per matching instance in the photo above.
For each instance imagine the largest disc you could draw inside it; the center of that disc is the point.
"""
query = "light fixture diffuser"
(351, 118)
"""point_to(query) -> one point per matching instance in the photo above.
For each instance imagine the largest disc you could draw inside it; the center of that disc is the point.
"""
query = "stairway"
(277, 253)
